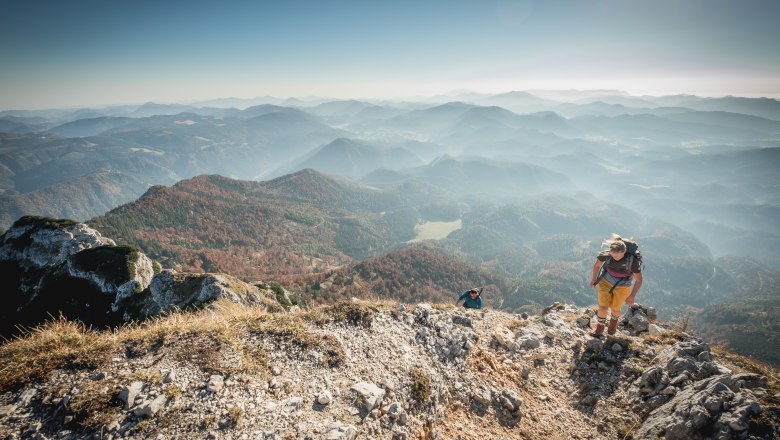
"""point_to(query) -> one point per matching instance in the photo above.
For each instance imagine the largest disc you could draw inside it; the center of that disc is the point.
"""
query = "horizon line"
(400, 99)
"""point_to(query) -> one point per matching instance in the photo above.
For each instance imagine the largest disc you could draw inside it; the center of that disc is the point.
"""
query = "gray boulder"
(171, 290)
(716, 404)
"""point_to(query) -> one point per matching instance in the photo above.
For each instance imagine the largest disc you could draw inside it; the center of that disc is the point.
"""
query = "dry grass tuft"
(206, 336)
(173, 392)
(219, 318)
(209, 422)
(234, 416)
(96, 406)
(54, 345)
(203, 337)
(292, 329)
(354, 313)
(60, 343)
(626, 427)
(151, 377)
(668, 337)
(517, 324)
(445, 307)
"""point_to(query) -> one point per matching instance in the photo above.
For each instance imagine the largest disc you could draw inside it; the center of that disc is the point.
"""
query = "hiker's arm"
(596, 269)
(635, 289)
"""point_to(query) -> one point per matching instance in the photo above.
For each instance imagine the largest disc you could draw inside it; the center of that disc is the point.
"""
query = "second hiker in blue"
(471, 299)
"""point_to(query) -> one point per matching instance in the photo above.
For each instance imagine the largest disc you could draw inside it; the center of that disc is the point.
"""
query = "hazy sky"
(85, 53)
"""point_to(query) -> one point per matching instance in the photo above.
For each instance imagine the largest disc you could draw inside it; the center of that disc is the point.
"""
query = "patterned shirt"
(616, 271)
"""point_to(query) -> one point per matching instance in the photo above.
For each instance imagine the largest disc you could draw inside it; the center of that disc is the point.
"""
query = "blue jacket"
(470, 303)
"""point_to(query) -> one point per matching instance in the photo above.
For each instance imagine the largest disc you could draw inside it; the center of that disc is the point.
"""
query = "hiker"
(471, 299)
(613, 274)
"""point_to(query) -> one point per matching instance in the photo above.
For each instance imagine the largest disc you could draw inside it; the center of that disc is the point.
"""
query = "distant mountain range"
(650, 153)
(353, 158)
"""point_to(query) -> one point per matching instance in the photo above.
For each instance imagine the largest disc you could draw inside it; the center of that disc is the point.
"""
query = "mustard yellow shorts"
(615, 300)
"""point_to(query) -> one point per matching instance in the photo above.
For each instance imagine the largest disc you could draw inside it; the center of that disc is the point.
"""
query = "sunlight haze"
(91, 53)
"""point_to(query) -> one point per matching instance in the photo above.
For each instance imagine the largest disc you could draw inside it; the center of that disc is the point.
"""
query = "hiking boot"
(613, 322)
(599, 328)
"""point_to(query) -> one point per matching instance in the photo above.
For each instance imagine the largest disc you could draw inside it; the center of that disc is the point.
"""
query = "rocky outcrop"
(691, 396)
(38, 243)
(56, 267)
(51, 267)
(170, 291)
(639, 319)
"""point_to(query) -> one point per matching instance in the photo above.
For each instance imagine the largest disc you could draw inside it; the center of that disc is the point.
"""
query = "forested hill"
(296, 224)
(410, 275)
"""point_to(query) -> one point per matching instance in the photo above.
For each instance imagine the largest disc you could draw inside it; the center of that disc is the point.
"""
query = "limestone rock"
(370, 395)
(171, 290)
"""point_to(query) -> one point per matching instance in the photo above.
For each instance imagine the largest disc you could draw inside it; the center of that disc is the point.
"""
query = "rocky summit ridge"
(208, 356)
(384, 371)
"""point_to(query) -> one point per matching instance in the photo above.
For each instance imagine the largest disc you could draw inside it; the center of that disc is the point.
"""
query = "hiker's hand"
(630, 299)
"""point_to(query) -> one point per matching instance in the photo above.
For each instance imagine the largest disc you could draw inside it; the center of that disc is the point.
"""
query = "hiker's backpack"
(632, 252)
